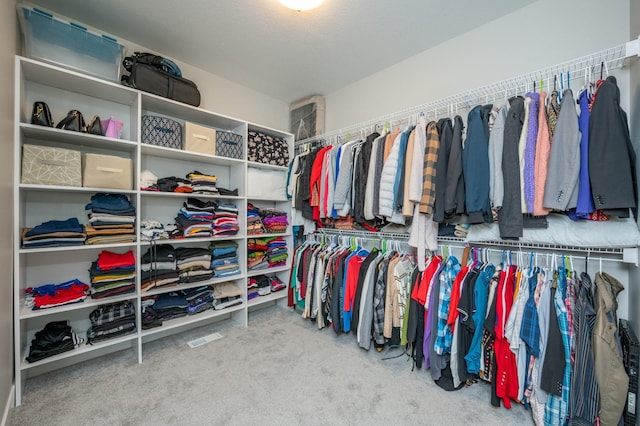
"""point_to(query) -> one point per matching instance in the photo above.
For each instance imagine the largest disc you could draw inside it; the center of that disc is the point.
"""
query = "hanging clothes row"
(542, 333)
(514, 163)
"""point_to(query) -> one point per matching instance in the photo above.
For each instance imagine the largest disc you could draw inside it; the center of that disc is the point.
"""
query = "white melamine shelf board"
(269, 130)
(267, 271)
(51, 134)
(75, 248)
(78, 189)
(275, 234)
(281, 294)
(267, 166)
(153, 194)
(194, 240)
(26, 313)
(177, 154)
(160, 105)
(271, 199)
(170, 288)
(84, 348)
(191, 319)
(51, 75)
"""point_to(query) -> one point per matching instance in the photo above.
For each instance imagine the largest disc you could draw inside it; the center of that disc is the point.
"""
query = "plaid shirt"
(444, 338)
(556, 408)
(378, 302)
(104, 314)
(432, 146)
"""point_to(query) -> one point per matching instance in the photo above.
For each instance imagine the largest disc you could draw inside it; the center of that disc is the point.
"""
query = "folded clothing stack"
(151, 230)
(274, 220)
(262, 285)
(194, 218)
(53, 233)
(257, 254)
(112, 219)
(112, 274)
(203, 183)
(194, 264)
(55, 338)
(462, 230)
(51, 295)
(226, 295)
(254, 222)
(112, 320)
(276, 252)
(158, 267)
(225, 220)
(176, 304)
(224, 258)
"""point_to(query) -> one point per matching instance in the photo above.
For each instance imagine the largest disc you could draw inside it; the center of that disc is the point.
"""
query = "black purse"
(95, 126)
(41, 114)
(73, 121)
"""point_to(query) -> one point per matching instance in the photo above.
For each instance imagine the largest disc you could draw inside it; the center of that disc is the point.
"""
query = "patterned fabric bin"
(266, 149)
(228, 144)
(161, 131)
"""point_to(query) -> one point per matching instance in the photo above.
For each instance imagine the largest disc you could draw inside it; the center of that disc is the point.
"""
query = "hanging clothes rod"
(626, 255)
(595, 63)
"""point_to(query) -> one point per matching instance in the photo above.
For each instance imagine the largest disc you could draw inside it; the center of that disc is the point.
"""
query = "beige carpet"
(279, 371)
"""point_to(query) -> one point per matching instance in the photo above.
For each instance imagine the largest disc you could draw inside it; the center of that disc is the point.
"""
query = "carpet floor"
(280, 370)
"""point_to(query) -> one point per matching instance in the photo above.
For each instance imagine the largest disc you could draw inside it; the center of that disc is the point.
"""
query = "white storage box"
(106, 171)
(199, 139)
(43, 165)
(69, 44)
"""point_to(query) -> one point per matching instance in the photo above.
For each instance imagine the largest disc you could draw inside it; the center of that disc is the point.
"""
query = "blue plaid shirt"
(444, 338)
(556, 408)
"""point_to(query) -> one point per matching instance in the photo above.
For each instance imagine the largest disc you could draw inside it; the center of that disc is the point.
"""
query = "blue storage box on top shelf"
(69, 44)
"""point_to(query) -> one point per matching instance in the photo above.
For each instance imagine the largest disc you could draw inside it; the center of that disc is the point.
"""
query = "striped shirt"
(444, 337)
(585, 393)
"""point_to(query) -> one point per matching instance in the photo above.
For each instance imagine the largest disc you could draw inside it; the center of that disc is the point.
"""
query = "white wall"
(634, 124)
(8, 35)
(543, 34)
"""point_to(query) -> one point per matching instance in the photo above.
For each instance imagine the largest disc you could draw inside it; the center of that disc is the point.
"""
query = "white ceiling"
(284, 53)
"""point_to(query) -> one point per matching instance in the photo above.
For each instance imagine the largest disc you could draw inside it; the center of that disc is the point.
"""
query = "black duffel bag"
(160, 76)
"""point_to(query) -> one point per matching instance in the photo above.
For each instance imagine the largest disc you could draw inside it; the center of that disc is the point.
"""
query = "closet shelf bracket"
(633, 48)
(630, 254)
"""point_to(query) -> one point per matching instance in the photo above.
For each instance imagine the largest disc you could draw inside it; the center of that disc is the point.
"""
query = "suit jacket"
(612, 158)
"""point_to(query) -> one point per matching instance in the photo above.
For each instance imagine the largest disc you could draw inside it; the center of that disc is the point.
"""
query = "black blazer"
(612, 159)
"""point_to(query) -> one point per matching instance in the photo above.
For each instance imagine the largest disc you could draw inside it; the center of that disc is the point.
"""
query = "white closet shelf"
(169, 288)
(267, 166)
(70, 189)
(190, 319)
(178, 154)
(26, 313)
(51, 75)
(84, 348)
(189, 195)
(275, 234)
(193, 240)
(51, 134)
(268, 271)
(159, 105)
(75, 248)
(270, 199)
(281, 294)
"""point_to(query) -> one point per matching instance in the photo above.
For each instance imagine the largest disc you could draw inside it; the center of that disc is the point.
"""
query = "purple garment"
(585, 204)
(530, 151)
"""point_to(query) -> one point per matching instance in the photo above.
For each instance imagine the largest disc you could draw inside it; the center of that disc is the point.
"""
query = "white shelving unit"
(64, 90)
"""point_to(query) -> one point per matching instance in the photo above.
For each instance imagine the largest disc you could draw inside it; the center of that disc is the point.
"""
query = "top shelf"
(50, 75)
(164, 106)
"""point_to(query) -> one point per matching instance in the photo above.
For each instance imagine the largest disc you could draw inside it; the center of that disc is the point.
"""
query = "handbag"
(112, 127)
(73, 121)
(41, 114)
(95, 126)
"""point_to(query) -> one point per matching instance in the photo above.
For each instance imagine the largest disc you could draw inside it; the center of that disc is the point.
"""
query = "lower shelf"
(84, 348)
(282, 294)
(190, 319)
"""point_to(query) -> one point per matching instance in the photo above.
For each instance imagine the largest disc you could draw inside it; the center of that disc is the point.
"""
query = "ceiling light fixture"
(300, 5)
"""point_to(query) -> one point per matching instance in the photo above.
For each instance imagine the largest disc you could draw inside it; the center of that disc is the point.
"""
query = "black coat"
(612, 158)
